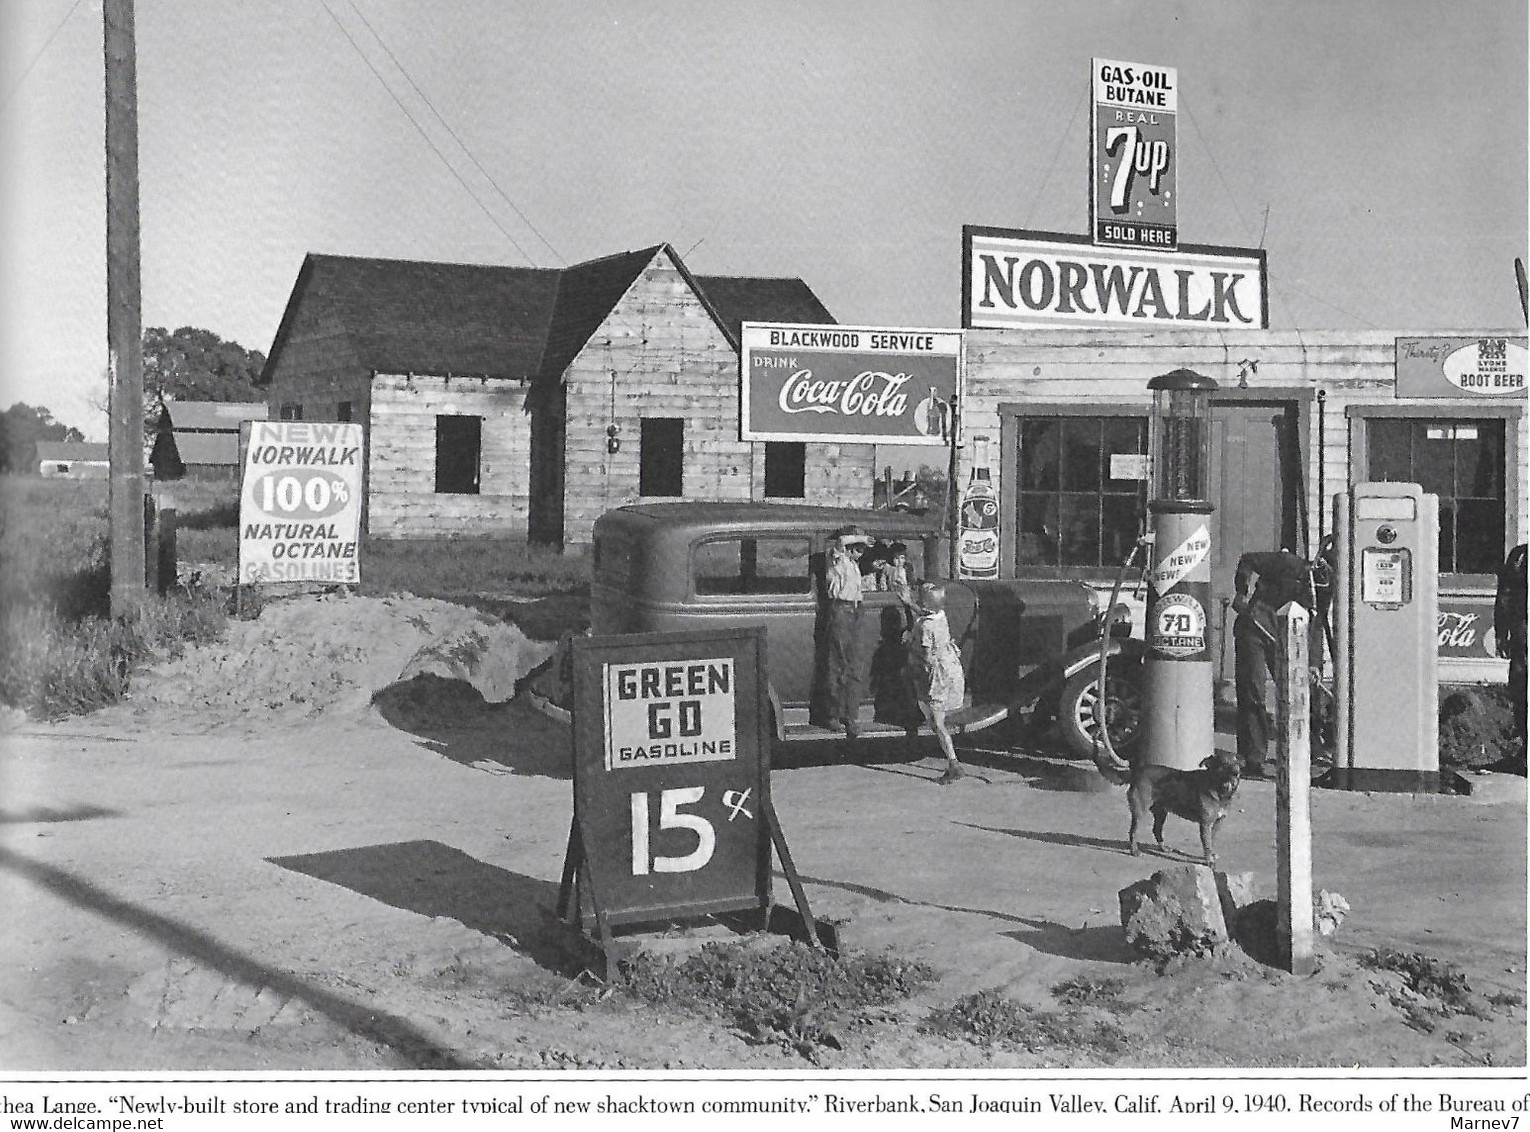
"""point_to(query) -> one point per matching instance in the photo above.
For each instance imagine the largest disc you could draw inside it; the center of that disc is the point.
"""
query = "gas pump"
(1385, 640)
(1178, 729)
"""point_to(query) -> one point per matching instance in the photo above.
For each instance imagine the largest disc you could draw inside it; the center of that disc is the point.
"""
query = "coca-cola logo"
(870, 393)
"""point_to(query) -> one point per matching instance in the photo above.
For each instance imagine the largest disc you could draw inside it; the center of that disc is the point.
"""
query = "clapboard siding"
(402, 499)
(659, 353)
(1100, 367)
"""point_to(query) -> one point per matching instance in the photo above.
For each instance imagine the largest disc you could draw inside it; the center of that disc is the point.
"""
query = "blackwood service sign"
(852, 384)
(300, 503)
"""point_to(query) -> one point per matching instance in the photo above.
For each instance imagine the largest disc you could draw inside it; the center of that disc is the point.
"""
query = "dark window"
(291, 412)
(752, 566)
(785, 470)
(661, 456)
(1079, 489)
(459, 441)
(343, 411)
(1461, 461)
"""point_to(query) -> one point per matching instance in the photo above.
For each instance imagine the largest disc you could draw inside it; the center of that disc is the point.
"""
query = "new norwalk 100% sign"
(671, 782)
(300, 503)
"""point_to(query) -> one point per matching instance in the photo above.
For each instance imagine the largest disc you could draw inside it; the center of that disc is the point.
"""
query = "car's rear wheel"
(1123, 707)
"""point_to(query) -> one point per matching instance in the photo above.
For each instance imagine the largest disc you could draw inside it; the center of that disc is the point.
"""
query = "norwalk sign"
(1043, 279)
(300, 503)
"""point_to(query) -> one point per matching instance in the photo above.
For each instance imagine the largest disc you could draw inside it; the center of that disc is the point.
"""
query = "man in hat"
(841, 626)
(1283, 577)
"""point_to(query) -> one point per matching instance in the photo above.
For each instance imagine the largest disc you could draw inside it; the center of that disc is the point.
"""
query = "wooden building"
(1299, 416)
(200, 439)
(72, 459)
(513, 401)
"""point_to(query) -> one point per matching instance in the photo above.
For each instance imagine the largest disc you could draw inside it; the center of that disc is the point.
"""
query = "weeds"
(449, 568)
(792, 993)
(60, 651)
(987, 1018)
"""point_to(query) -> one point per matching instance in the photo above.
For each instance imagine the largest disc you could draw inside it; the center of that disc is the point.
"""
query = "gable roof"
(64, 451)
(406, 316)
(220, 416)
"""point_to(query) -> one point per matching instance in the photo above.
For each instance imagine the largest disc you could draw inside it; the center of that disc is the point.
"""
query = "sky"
(1375, 148)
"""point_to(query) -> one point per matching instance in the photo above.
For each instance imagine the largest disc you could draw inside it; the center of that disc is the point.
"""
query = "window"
(343, 411)
(1461, 461)
(459, 442)
(661, 456)
(752, 566)
(785, 467)
(291, 412)
(1080, 492)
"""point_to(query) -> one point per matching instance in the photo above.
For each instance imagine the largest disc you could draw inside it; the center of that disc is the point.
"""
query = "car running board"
(972, 717)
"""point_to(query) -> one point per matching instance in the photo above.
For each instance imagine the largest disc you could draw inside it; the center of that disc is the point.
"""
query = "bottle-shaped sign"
(978, 536)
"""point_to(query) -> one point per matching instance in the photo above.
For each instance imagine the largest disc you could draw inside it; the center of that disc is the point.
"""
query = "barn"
(524, 402)
(200, 439)
(72, 459)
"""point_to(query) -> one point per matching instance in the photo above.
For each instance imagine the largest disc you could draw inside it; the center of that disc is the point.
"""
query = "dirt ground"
(260, 863)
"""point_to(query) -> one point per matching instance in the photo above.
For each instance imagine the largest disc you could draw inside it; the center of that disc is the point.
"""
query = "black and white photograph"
(814, 559)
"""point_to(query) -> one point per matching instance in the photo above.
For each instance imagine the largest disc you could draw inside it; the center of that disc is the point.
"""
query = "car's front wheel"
(1123, 707)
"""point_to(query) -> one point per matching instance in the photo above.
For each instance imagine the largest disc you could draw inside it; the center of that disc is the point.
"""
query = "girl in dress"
(935, 667)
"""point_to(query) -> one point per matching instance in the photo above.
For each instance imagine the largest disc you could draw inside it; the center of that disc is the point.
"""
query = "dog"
(1201, 796)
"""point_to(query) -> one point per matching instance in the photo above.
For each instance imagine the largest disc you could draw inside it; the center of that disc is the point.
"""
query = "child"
(892, 573)
(935, 667)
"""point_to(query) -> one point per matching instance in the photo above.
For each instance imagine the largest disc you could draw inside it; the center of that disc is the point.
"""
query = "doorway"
(1256, 485)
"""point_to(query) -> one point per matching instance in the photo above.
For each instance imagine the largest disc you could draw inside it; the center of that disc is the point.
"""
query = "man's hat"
(851, 536)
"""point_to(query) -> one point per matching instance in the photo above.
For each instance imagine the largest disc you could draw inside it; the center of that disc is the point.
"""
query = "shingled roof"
(404, 316)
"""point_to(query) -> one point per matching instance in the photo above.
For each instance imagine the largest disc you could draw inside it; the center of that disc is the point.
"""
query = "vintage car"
(1027, 646)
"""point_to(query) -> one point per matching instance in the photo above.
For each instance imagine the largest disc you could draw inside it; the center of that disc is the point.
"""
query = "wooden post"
(1293, 788)
(124, 312)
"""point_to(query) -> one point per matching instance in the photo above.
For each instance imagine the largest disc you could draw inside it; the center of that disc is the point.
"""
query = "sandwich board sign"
(300, 502)
(672, 810)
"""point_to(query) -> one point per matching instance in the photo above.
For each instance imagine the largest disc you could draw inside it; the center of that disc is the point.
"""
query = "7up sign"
(1132, 201)
(300, 503)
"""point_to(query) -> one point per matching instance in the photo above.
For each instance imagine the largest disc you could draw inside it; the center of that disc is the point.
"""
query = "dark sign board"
(671, 773)
(1466, 627)
(1134, 155)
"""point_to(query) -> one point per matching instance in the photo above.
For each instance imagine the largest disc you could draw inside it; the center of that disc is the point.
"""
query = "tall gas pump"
(1178, 728)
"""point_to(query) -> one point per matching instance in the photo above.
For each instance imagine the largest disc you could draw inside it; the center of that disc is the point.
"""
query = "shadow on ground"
(451, 718)
(431, 879)
(410, 1046)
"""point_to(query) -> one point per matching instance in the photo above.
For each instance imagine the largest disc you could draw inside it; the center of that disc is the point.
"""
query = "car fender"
(1131, 648)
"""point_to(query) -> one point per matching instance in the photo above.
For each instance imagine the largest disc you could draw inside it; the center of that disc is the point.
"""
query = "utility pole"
(124, 314)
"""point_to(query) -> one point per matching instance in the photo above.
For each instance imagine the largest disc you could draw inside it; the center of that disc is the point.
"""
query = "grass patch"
(451, 568)
(61, 653)
(988, 1018)
(793, 994)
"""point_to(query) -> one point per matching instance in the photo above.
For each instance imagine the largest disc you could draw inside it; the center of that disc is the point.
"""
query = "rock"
(1328, 911)
(1176, 911)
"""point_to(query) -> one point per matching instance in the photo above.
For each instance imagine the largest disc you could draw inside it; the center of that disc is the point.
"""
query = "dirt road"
(372, 888)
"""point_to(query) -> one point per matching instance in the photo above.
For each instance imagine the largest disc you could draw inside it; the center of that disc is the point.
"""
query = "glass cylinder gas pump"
(1178, 729)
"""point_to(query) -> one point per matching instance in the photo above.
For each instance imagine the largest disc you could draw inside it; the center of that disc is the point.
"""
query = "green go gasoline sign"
(671, 776)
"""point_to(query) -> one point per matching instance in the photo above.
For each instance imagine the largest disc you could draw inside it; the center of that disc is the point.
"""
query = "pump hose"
(1110, 764)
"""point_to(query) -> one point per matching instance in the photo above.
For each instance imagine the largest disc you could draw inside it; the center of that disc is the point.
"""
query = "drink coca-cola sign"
(853, 384)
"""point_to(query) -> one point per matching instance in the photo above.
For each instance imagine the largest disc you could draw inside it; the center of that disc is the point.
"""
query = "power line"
(426, 99)
(428, 141)
(40, 52)
(1248, 228)
(1067, 131)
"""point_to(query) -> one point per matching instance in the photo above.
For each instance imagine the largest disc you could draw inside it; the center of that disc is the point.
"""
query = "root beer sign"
(300, 503)
(671, 775)
(855, 384)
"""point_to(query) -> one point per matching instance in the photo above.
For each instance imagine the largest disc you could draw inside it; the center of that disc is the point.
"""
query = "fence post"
(1293, 789)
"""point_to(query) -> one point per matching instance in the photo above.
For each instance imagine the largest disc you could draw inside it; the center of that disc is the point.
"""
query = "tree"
(21, 427)
(192, 364)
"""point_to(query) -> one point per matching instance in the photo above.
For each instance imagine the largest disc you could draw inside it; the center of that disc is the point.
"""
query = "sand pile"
(321, 654)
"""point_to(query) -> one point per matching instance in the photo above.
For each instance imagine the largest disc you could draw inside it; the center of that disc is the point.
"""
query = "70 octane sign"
(671, 775)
